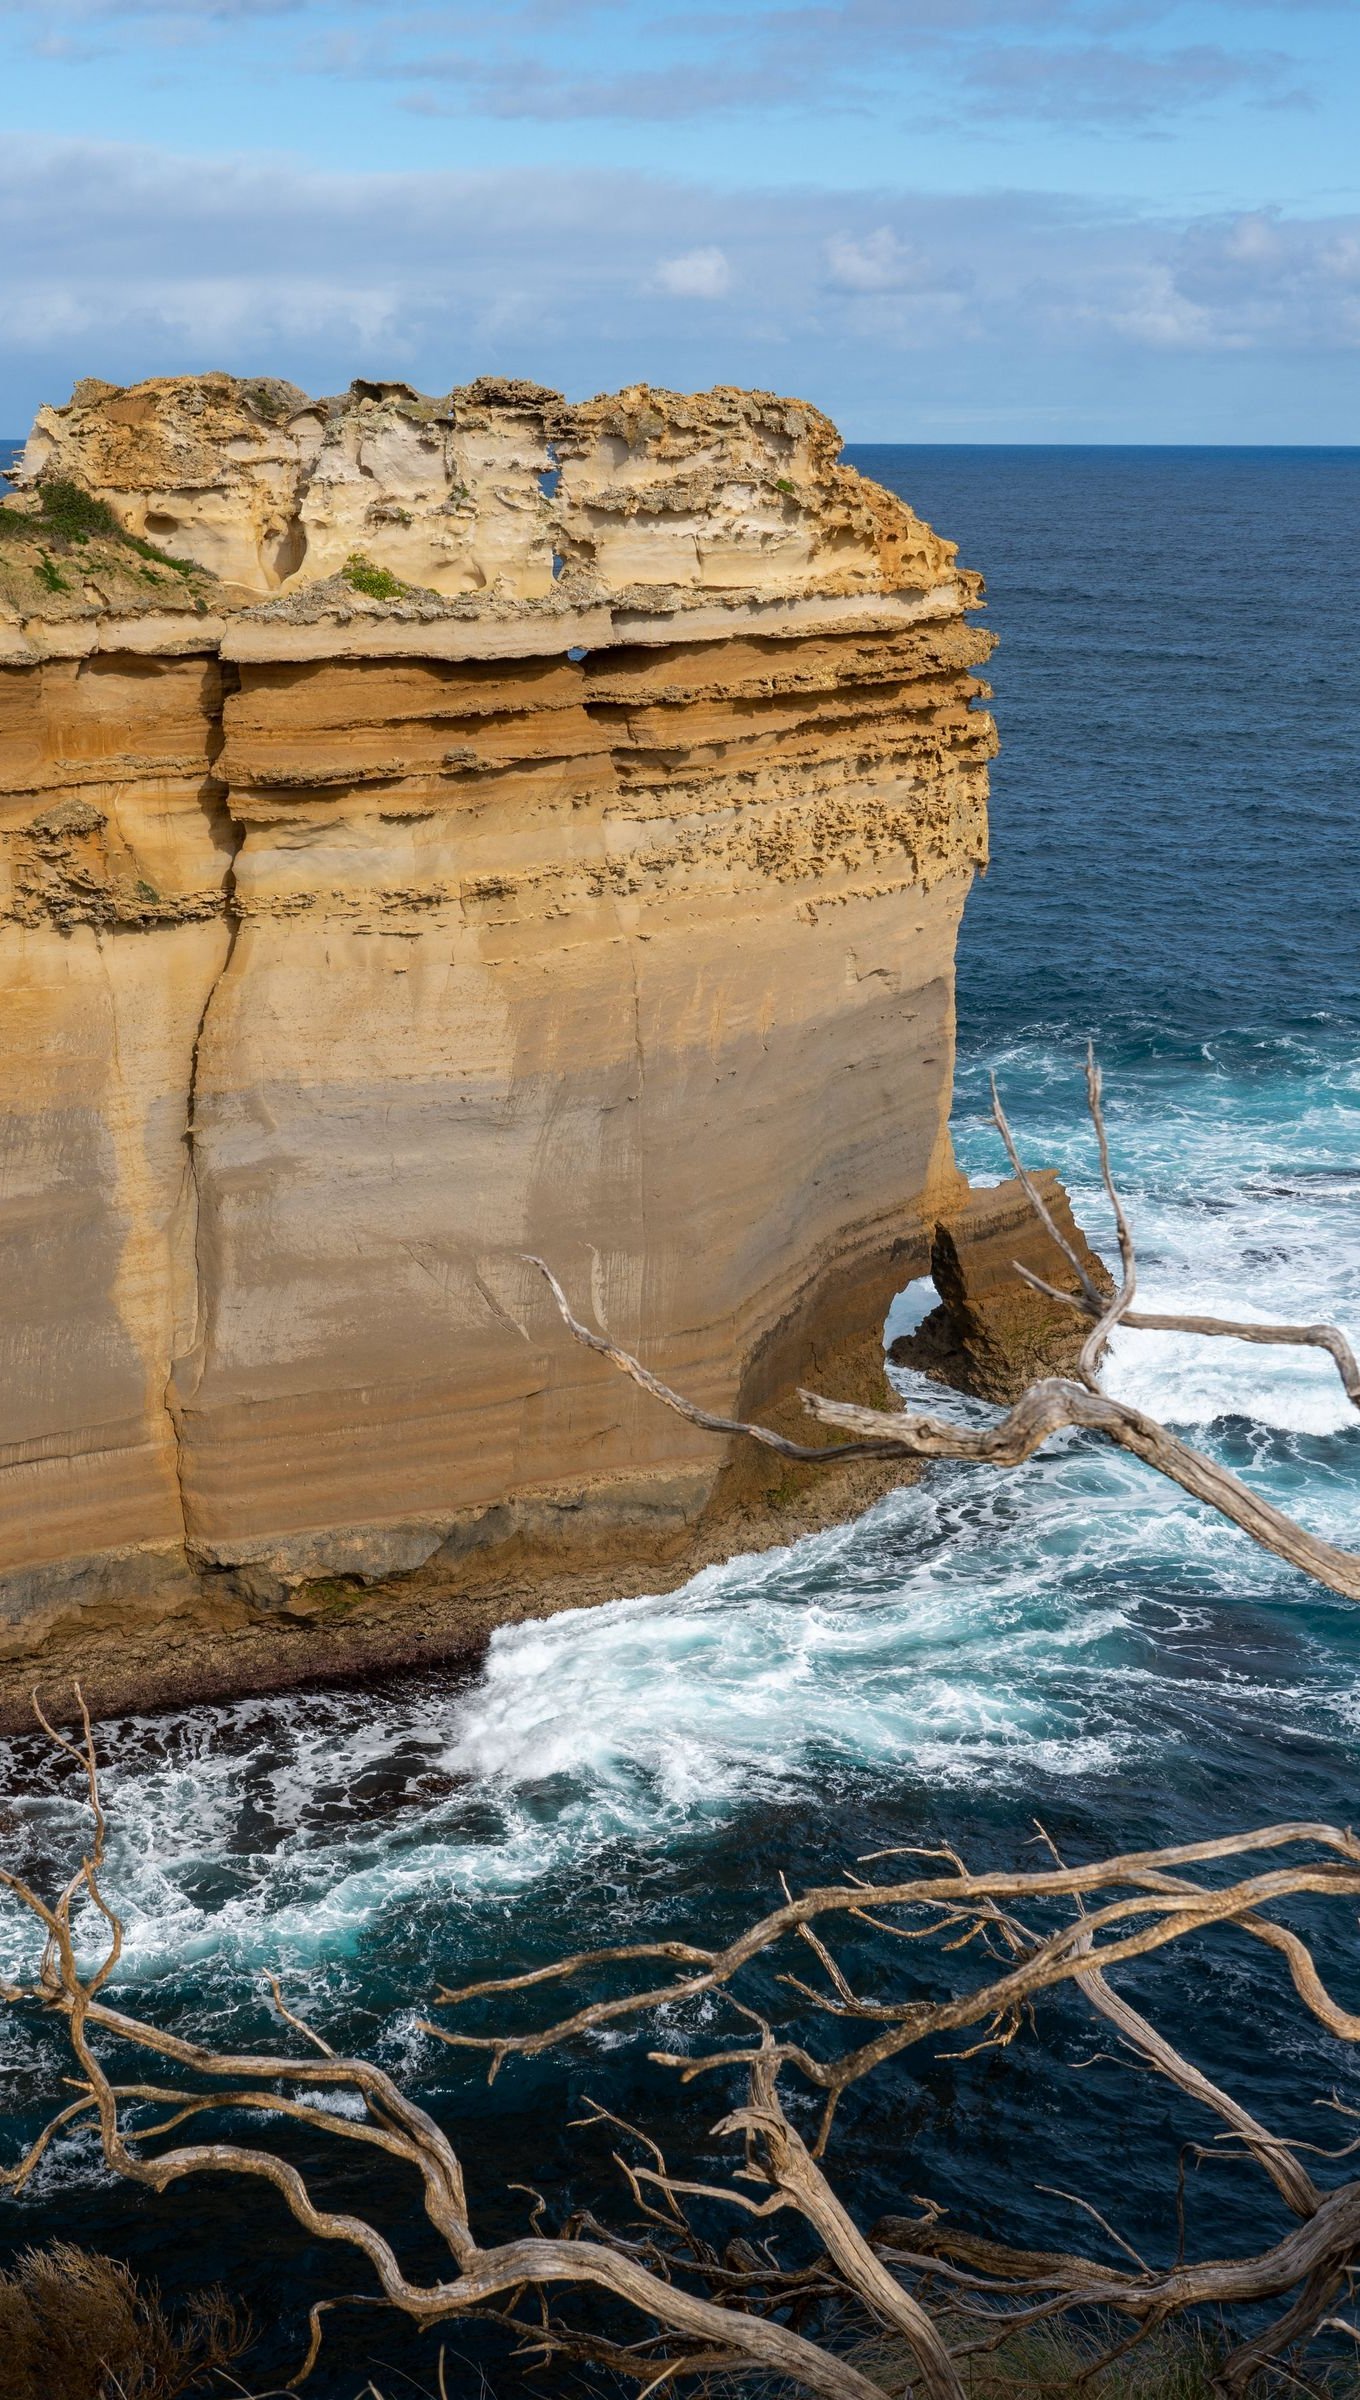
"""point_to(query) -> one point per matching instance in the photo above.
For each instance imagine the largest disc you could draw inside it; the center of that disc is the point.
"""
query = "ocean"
(1176, 837)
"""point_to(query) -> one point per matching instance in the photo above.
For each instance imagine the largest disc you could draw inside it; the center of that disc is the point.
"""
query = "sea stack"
(435, 831)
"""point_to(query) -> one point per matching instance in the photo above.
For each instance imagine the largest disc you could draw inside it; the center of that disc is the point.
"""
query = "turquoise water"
(1175, 838)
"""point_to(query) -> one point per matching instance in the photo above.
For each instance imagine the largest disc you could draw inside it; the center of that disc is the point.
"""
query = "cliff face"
(446, 830)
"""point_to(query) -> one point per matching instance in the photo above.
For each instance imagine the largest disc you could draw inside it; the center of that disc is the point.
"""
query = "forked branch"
(693, 2307)
(1055, 1404)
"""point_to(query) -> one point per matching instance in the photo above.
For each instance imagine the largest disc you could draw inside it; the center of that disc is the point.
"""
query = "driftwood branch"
(933, 2289)
(1157, 1908)
(1056, 1404)
(1140, 1905)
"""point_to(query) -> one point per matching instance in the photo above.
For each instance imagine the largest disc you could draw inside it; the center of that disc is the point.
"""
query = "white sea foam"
(956, 1636)
(1245, 1203)
(1066, 1622)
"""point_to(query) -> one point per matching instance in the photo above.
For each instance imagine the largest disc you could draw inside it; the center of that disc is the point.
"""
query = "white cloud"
(880, 262)
(696, 275)
(1105, 82)
(1078, 63)
(1017, 310)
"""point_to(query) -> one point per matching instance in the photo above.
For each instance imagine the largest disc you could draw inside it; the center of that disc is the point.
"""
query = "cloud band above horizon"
(908, 316)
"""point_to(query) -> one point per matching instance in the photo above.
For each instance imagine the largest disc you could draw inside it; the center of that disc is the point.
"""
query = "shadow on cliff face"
(989, 1336)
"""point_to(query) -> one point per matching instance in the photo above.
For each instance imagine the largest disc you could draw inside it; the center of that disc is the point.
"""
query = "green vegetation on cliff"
(71, 537)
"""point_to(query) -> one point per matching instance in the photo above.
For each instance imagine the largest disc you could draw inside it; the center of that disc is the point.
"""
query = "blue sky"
(969, 220)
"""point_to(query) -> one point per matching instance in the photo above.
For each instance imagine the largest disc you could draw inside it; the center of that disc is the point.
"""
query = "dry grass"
(1176, 2364)
(76, 2326)
(1059, 2362)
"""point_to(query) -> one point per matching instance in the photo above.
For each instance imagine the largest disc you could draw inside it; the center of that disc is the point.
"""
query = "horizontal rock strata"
(435, 832)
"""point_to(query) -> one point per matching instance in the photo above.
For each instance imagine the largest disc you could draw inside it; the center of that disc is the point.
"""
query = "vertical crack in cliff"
(193, 1247)
(641, 1057)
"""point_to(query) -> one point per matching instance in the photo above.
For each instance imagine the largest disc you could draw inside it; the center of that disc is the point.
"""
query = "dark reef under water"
(1176, 836)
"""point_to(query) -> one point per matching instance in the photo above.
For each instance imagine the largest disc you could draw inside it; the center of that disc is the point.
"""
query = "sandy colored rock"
(593, 892)
(497, 489)
(993, 1334)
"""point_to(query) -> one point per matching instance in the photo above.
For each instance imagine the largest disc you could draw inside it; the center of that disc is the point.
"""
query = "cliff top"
(64, 553)
(499, 500)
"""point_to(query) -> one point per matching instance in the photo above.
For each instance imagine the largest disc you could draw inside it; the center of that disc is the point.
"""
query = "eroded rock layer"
(436, 832)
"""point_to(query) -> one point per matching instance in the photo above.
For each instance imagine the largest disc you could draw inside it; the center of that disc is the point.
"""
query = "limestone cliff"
(435, 831)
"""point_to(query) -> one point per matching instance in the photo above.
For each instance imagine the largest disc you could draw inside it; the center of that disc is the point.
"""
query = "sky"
(940, 220)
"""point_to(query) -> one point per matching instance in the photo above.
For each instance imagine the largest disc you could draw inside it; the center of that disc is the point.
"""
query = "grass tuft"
(1062, 2362)
(161, 558)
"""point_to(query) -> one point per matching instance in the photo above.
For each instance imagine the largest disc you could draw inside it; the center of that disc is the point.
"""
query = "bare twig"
(702, 1417)
(1130, 1906)
(1054, 1405)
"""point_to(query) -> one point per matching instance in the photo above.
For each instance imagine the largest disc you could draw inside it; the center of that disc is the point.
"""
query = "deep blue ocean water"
(1176, 837)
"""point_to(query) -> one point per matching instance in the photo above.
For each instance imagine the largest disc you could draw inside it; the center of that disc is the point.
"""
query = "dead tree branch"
(699, 2308)
(1056, 1404)
(1020, 1934)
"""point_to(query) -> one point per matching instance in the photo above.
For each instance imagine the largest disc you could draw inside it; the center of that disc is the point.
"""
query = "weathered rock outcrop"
(436, 831)
(993, 1334)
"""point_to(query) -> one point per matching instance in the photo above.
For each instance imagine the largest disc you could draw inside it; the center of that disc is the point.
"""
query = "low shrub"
(77, 2326)
(76, 514)
(374, 582)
